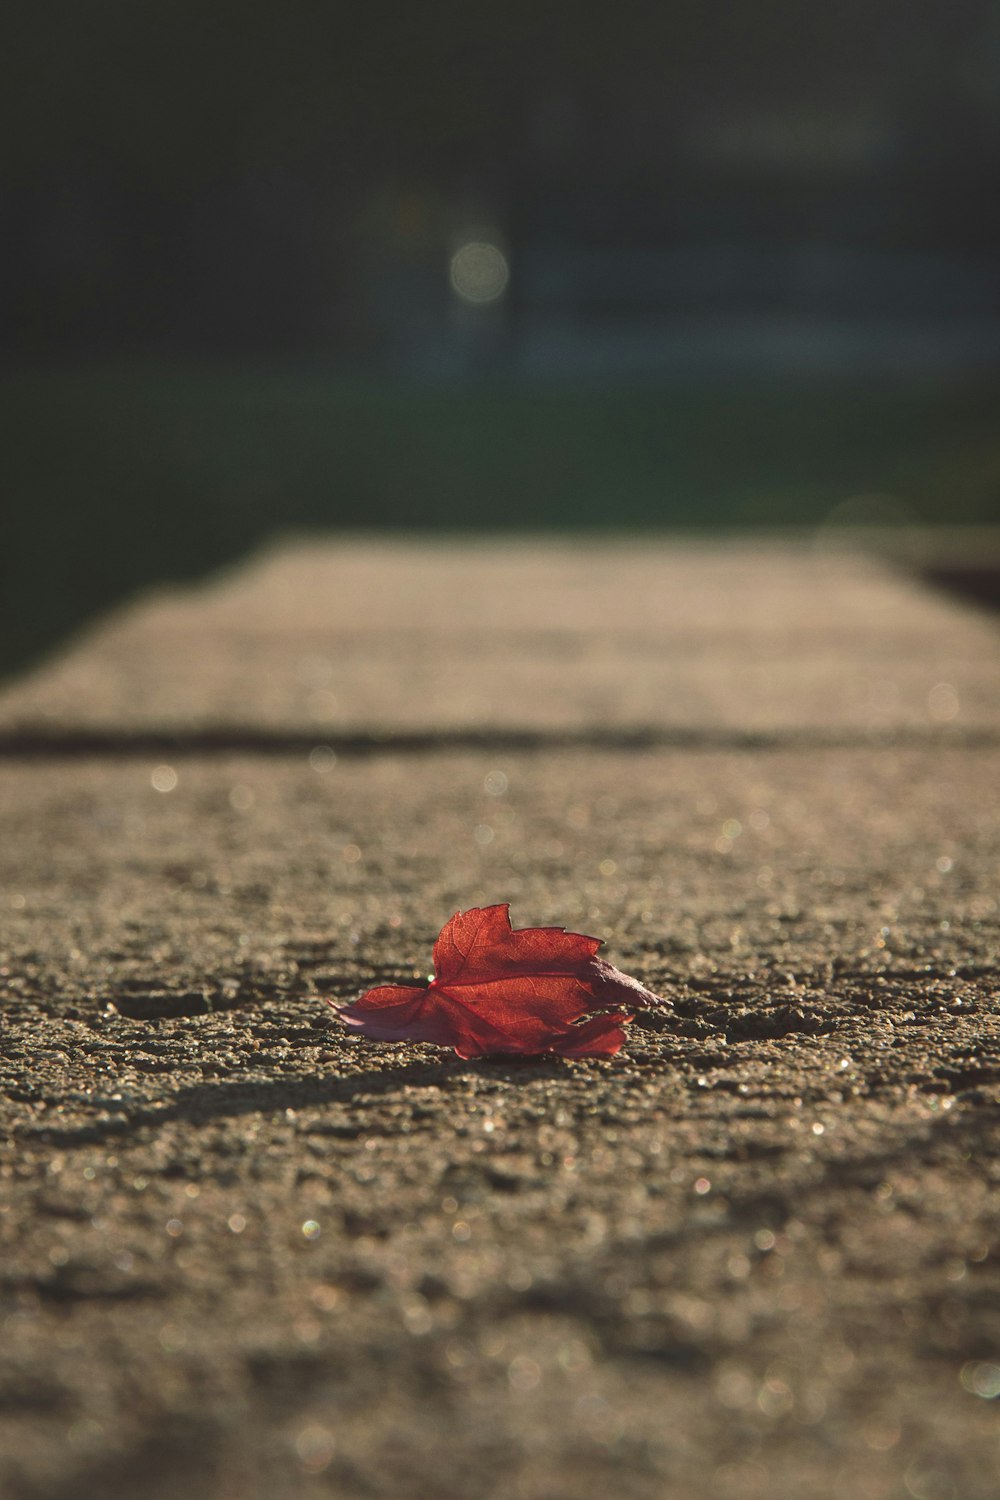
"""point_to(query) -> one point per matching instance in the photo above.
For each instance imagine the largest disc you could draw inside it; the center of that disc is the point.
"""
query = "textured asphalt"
(246, 1255)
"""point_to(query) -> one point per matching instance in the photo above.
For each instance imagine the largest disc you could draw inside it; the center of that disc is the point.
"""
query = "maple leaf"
(497, 990)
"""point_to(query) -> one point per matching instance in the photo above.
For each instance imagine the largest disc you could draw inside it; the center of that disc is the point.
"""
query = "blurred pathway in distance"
(342, 637)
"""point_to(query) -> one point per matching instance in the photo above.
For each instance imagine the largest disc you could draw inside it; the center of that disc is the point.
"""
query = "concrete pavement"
(245, 1254)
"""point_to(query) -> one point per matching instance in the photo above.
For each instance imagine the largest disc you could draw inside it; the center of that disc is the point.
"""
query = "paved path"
(245, 1255)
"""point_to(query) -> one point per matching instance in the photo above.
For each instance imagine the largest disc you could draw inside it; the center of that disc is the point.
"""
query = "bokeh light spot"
(479, 272)
(164, 779)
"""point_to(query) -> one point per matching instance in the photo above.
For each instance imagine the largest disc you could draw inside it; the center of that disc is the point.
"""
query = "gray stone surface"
(246, 1255)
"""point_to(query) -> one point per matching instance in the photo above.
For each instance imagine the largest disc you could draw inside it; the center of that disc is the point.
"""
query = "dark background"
(752, 254)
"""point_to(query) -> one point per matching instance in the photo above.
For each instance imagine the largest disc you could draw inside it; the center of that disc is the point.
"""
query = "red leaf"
(539, 989)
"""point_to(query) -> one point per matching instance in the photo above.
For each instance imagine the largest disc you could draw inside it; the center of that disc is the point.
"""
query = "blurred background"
(313, 266)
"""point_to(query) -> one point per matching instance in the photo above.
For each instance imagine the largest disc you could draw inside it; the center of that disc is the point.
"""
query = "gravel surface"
(244, 1254)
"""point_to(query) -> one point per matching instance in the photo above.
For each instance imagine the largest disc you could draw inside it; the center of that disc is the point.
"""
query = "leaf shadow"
(230, 1098)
